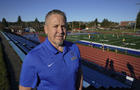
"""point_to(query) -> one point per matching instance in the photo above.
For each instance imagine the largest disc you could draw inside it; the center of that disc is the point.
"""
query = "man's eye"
(63, 26)
(55, 26)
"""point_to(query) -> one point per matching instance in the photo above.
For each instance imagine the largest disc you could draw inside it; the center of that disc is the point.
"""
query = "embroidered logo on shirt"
(49, 65)
(73, 56)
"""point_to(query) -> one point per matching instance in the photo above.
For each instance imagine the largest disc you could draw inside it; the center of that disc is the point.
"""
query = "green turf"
(131, 41)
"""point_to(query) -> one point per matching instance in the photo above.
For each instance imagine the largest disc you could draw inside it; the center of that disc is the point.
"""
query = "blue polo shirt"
(48, 69)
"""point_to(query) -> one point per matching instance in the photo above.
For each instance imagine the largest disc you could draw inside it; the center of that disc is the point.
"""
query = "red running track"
(120, 61)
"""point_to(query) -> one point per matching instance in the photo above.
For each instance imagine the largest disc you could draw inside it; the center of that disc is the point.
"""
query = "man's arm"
(80, 79)
(81, 82)
(24, 88)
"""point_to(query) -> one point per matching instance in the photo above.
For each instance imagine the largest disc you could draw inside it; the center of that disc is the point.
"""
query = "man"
(55, 63)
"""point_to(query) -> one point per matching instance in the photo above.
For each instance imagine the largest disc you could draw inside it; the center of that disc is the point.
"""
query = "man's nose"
(60, 29)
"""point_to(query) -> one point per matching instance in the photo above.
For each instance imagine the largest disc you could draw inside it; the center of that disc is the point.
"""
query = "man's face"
(56, 29)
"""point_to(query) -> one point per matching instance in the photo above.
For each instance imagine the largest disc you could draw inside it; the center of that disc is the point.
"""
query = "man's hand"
(24, 88)
(79, 79)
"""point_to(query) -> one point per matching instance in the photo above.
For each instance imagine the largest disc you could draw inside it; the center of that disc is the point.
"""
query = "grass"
(117, 31)
(4, 82)
(131, 41)
(42, 34)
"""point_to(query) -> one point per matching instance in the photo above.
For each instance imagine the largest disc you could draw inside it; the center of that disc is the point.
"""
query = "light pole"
(135, 25)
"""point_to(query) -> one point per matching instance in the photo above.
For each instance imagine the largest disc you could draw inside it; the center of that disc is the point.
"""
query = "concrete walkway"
(13, 63)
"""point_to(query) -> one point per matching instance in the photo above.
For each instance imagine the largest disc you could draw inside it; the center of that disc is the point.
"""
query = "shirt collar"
(53, 49)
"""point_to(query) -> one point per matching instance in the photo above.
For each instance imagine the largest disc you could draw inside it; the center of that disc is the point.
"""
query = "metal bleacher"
(97, 79)
(21, 42)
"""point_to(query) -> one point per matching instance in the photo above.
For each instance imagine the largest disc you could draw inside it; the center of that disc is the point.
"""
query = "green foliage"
(4, 83)
(82, 26)
(105, 23)
(1, 26)
(138, 20)
(36, 25)
(4, 22)
(90, 24)
(96, 22)
(75, 24)
(36, 20)
(69, 26)
(19, 19)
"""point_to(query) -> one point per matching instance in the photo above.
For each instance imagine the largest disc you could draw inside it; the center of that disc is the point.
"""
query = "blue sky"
(76, 10)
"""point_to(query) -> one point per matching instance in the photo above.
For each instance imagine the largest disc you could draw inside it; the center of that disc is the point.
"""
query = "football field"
(123, 40)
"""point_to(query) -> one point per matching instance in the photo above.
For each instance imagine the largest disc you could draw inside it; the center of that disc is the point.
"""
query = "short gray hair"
(55, 11)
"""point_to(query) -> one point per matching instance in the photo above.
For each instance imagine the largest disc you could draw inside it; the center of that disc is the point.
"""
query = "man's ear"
(45, 29)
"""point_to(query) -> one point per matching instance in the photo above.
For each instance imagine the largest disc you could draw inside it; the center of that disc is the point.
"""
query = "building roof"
(126, 23)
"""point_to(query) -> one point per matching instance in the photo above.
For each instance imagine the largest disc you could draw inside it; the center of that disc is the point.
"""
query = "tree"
(138, 20)
(105, 23)
(96, 22)
(19, 21)
(36, 24)
(90, 24)
(69, 26)
(4, 22)
(75, 24)
(36, 20)
(1, 26)
(82, 26)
